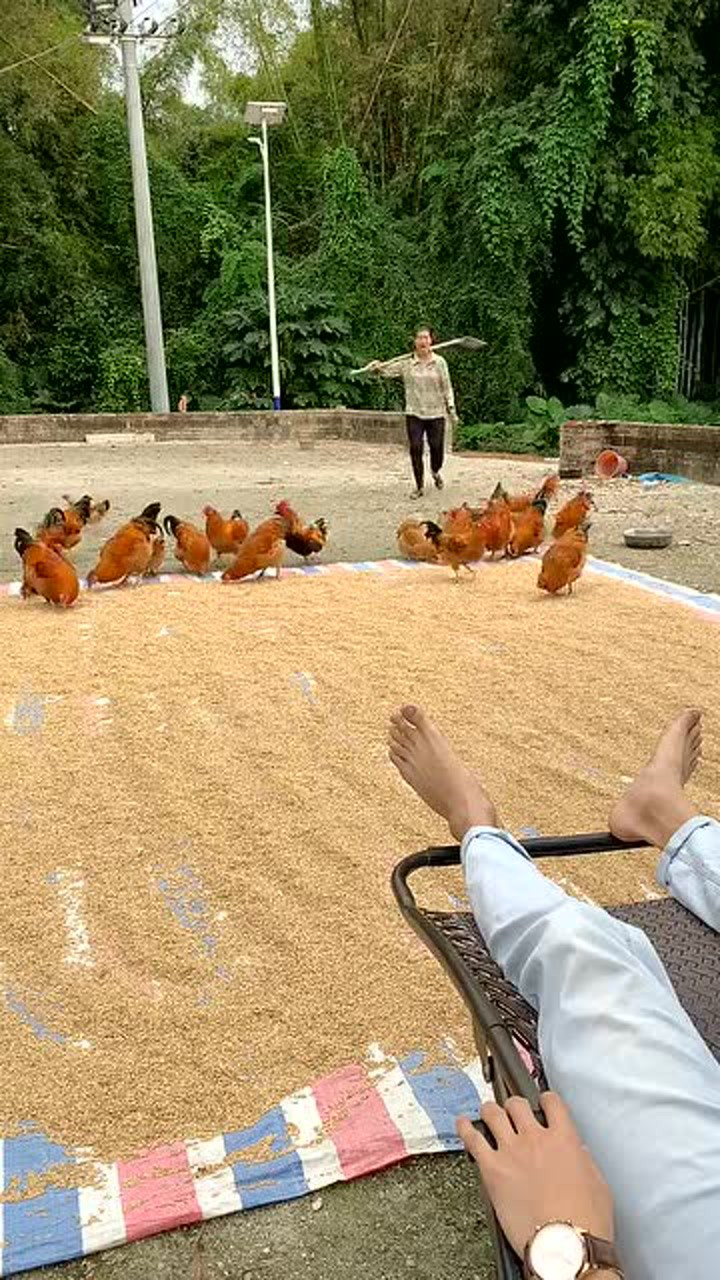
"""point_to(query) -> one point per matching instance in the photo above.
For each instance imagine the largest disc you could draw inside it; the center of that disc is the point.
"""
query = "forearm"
(391, 369)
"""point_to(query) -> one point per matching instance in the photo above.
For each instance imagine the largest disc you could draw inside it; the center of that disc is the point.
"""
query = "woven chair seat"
(689, 950)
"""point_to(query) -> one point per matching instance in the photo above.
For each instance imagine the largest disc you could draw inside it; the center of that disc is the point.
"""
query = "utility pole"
(111, 20)
(152, 315)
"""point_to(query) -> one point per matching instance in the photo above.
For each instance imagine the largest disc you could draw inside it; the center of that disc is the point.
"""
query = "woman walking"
(429, 400)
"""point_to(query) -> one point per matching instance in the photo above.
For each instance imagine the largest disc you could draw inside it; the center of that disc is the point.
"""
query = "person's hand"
(538, 1174)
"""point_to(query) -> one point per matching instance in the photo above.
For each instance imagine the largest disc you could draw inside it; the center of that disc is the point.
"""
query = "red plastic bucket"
(610, 464)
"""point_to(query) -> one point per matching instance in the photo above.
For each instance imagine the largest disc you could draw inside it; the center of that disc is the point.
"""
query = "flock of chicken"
(137, 548)
(506, 525)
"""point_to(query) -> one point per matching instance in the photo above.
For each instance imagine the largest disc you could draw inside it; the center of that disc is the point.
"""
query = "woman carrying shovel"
(429, 400)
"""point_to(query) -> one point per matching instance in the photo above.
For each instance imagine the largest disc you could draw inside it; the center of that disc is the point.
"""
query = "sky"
(159, 10)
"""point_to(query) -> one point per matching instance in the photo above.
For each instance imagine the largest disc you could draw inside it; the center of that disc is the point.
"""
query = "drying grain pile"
(199, 820)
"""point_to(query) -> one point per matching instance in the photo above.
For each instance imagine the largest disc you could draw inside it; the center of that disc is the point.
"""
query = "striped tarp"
(355, 1121)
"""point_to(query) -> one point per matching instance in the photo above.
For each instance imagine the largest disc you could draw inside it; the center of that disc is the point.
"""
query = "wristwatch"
(561, 1251)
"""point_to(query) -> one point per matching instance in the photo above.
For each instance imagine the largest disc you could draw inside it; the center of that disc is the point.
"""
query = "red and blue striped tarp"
(361, 1118)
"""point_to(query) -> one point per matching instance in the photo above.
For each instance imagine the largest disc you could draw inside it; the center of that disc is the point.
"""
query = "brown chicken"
(95, 510)
(304, 539)
(573, 514)
(226, 536)
(132, 549)
(548, 489)
(528, 529)
(46, 572)
(564, 561)
(459, 518)
(64, 528)
(460, 544)
(53, 532)
(262, 549)
(415, 540)
(192, 547)
(497, 523)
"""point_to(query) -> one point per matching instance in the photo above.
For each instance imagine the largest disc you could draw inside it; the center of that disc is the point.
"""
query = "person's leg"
(416, 439)
(436, 440)
(656, 809)
(642, 1086)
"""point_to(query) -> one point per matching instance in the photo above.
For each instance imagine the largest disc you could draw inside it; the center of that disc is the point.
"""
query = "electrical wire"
(51, 74)
(32, 57)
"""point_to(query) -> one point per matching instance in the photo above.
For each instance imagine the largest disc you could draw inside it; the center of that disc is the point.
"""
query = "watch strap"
(601, 1255)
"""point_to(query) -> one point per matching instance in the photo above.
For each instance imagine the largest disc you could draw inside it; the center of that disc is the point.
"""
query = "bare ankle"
(464, 817)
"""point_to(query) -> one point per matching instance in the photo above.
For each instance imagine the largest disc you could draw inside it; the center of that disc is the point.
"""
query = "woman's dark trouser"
(417, 429)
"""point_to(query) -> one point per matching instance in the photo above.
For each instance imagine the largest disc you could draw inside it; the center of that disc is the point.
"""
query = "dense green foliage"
(539, 431)
(543, 173)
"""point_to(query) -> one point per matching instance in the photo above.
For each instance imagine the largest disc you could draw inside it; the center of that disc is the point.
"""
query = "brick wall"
(682, 450)
(303, 425)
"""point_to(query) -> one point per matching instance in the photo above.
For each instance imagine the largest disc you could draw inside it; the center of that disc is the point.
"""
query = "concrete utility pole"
(116, 18)
(152, 315)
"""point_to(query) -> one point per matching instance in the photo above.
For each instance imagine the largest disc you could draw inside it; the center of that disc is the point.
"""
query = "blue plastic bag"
(662, 477)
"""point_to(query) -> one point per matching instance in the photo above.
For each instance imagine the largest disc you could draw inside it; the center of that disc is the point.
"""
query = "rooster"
(304, 539)
(46, 572)
(528, 529)
(192, 547)
(547, 490)
(133, 550)
(262, 549)
(226, 536)
(564, 561)
(460, 543)
(573, 514)
(415, 540)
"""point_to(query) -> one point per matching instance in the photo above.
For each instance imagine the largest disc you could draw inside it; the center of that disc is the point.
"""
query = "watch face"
(557, 1252)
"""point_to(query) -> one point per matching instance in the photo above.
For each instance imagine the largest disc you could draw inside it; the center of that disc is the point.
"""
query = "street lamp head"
(265, 112)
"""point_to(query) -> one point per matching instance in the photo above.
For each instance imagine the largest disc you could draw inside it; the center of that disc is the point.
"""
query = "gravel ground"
(362, 490)
(422, 1219)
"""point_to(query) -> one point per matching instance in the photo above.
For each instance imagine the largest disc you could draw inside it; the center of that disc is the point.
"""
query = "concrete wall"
(302, 425)
(687, 451)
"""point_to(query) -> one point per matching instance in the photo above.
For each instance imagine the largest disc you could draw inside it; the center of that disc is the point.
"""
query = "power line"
(32, 57)
(50, 74)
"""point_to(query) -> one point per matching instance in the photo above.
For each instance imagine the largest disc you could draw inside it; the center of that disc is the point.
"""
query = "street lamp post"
(265, 114)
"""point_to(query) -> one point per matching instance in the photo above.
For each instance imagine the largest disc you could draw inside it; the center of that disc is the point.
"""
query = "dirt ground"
(362, 490)
(422, 1219)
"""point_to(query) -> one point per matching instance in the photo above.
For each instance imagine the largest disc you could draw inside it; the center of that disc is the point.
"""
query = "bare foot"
(427, 762)
(655, 806)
